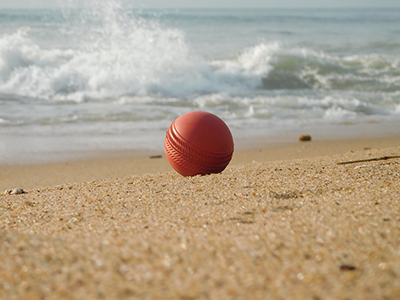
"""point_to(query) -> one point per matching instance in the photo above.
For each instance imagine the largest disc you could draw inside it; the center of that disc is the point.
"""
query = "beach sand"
(281, 222)
(128, 163)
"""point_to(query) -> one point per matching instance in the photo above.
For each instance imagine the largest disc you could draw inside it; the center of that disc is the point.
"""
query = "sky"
(208, 3)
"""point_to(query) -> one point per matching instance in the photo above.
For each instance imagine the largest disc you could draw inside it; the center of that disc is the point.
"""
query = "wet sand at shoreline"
(124, 163)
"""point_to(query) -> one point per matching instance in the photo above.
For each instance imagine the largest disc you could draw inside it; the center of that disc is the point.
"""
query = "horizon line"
(223, 7)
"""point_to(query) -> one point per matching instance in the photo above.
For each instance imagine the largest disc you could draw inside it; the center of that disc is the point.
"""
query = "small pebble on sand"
(16, 191)
(305, 138)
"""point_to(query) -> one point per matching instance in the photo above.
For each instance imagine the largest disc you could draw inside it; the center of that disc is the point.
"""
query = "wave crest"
(121, 54)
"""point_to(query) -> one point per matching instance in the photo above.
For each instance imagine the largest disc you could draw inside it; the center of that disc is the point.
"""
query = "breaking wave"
(123, 54)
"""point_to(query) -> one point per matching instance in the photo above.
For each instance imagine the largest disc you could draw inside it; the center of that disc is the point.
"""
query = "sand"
(292, 228)
(126, 163)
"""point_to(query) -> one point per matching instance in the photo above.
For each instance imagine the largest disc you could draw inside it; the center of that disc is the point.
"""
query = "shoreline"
(115, 164)
(34, 149)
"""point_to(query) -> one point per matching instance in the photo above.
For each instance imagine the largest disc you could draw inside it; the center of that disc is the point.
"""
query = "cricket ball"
(198, 143)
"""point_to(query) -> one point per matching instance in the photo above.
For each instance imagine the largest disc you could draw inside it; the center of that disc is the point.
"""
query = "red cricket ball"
(198, 143)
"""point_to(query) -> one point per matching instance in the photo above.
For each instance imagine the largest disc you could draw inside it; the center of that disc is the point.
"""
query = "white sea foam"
(147, 60)
(126, 55)
(149, 64)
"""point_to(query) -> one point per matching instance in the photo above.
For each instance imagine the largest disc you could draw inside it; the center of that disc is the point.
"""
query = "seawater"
(108, 77)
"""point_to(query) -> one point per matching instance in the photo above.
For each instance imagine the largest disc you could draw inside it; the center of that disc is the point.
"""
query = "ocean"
(79, 81)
